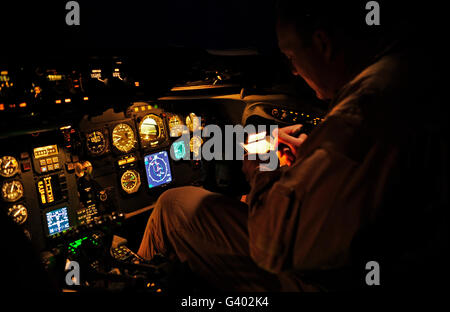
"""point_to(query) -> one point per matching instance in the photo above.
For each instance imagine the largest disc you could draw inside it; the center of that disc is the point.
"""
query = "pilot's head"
(325, 41)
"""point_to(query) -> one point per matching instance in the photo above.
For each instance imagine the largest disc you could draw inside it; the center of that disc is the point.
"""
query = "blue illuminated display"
(179, 150)
(57, 220)
(157, 167)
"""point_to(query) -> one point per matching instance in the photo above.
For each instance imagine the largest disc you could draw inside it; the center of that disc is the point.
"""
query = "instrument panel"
(55, 181)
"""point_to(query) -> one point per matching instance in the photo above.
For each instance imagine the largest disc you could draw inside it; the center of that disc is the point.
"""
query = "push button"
(26, 166)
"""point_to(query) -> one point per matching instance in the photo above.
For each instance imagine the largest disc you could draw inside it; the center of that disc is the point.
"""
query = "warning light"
(85, 98)
(58, 101)
(67, 100)
(23, 105)
(2, 107)
(136, 83)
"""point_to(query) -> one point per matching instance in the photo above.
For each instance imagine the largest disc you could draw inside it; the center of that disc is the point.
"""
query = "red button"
(26, 166)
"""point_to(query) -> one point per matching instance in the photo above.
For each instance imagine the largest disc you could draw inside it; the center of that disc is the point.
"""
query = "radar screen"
(57, 220)
(157, 167)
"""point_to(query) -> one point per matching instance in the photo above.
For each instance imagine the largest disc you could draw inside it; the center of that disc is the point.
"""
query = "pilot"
(360, 202)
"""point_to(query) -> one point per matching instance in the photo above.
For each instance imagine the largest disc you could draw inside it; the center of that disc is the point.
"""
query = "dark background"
(39, 26)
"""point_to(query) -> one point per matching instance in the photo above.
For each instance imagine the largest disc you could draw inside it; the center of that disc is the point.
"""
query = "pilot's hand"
(288, 140)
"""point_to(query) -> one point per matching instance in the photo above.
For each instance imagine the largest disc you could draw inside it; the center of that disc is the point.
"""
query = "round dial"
(175, 126)
(18, 213)
(8, 166)
(130, 181)
(195, 143)
(193, 122)
(12, 190)
(150, 129)
(96, 143)
(123, 137)
(157, 170)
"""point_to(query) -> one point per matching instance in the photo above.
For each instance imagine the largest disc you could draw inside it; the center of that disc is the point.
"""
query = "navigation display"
(57, 220)
(157, 168)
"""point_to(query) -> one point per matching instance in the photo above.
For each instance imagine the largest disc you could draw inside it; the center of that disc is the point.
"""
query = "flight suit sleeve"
(296, 221)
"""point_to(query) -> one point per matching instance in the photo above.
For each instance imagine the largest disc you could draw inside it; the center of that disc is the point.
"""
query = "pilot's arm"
(304, 217)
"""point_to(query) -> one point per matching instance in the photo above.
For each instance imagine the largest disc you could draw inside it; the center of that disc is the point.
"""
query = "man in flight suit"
(368, 184)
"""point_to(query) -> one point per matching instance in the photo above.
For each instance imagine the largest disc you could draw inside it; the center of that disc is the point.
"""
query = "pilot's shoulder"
(375, 88)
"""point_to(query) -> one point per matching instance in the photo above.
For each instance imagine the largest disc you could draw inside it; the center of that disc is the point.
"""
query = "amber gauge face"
(96, 143)
(192, 122)
(18, 213)
(175, 126)
(195, 144)
(150, 129)
(130, 181)
(12, 191)
(123, 137)
(8, 166)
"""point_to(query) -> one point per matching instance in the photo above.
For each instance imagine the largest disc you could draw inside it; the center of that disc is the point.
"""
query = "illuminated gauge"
(193, 122)
(96, 143)
(175, 126)
(12, 190)
(8, 166)
(151, 129)
(195, 144)
(130, 181)
(123, 137)
(18, 213)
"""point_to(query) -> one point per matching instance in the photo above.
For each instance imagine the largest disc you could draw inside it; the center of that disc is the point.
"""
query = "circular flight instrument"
(8, 166)
(157, 169)
(123, 137)
(96, 143)
(18, 213)
(12, 190)
(193, 122)
(150, 129)
(175, 126)
(195, 143)
(130, 181)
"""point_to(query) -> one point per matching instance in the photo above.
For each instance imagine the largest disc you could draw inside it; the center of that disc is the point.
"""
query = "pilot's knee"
(181, 203)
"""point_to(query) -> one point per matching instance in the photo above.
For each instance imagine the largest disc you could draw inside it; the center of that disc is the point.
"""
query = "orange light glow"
(23, 104)
(2, 107)
(136, 83)
(85, 98)
(58, 101)
(67, 100)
